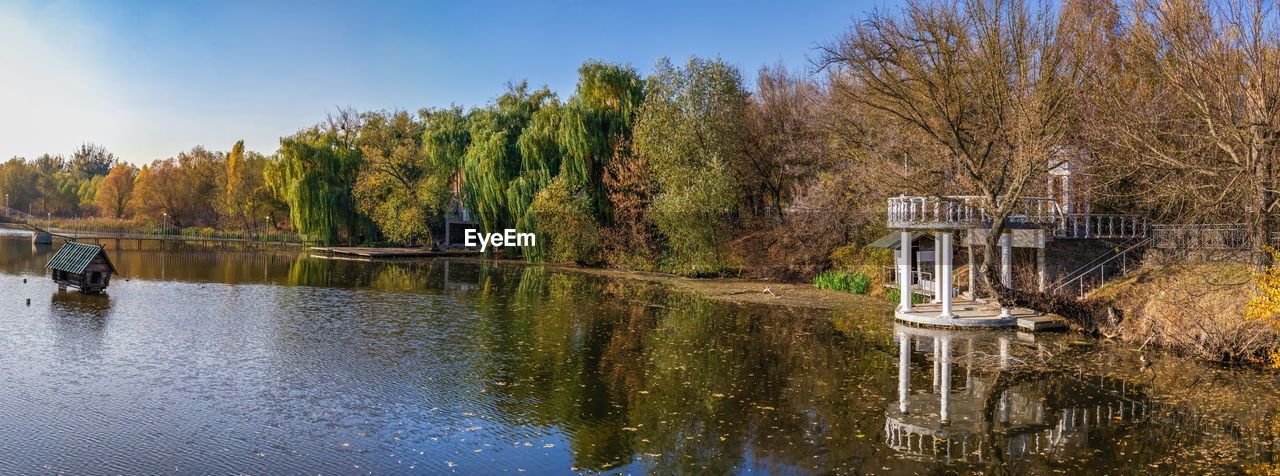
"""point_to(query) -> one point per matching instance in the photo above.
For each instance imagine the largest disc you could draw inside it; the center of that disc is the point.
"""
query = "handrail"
(11, 212)
(1200, 236)
(1099, 266)
(1085, 268)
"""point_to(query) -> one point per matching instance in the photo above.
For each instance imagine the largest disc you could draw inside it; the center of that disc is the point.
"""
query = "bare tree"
(1192, 113)
(986, 81)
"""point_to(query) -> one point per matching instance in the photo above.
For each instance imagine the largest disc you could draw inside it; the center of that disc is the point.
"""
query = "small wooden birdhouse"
(82, 266)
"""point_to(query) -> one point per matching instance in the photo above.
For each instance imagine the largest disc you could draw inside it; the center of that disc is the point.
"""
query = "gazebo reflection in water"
(970, 402)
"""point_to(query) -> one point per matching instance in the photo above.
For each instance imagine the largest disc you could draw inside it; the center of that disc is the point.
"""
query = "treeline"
(1169, 109)
(686, 170)
(199, 187)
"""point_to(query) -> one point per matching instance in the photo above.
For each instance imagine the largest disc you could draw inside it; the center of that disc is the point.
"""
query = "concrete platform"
(967, 314)
(1041, 323)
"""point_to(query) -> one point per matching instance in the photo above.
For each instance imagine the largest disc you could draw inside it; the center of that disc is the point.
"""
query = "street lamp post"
(164, 222)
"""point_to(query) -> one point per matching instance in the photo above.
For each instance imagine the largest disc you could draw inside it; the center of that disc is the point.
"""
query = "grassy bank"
(1194, 308)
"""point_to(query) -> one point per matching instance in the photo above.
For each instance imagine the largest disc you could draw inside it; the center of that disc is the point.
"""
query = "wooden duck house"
(82, 266)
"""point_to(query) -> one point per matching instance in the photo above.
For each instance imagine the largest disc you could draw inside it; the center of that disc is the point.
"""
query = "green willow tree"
(595, 123)
(493, 160)
(566, 150)
(314, 173)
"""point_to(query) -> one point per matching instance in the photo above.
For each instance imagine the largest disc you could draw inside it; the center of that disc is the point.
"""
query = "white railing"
(1223, 236)
(1102, 226)
(955, 212)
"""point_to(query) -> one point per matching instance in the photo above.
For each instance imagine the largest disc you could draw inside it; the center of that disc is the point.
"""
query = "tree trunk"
(1259, 212)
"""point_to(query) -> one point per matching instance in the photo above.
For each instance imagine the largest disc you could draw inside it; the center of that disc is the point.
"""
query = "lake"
(201, 360)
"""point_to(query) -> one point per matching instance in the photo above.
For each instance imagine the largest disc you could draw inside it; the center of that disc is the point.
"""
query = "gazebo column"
(1042, 273)
(937, 267)
(1006, 267)
(945, 269)
(904, 272)
(973, 270)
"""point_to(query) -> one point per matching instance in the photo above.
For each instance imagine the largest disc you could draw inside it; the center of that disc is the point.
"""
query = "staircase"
(1105, 267)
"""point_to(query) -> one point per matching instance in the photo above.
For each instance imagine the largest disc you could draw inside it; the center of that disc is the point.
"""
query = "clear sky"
(149, 79)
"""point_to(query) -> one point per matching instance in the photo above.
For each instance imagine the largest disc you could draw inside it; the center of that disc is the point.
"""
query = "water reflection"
(79, 320)
(202, 359)
(993, 397)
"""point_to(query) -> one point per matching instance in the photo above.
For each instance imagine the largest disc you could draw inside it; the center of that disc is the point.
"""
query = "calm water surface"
(207, 361)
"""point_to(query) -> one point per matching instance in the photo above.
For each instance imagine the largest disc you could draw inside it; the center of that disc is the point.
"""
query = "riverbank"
(1193, 308)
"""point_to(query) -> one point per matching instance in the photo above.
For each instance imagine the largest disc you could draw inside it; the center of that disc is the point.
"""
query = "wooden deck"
(394, 252)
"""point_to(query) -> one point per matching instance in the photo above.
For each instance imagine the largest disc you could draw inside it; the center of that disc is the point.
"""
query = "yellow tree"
(237, 201)
(1264, 304)
(115, 191)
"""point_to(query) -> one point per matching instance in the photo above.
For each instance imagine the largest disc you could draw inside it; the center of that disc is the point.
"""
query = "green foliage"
(596, 121)
(689, 131)
(447, 136)
(91, 160)
(892, 295)
(857, 283)
(315, 172)
(399, 187)
(565, 227)
(493, 159)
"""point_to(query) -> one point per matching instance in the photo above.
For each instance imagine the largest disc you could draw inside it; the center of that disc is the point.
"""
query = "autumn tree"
(115, 191)
(160, 189)
(399, 187)
(784, 140)
(237, 198)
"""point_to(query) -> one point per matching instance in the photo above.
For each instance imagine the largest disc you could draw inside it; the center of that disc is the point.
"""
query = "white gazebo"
(944, 217)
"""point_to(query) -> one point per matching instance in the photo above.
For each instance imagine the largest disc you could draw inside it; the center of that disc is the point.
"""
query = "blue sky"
(149, 79)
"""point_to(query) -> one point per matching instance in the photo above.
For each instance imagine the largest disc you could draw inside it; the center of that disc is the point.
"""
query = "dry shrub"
(631, 241)
(776, 248)
(1196, 308)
